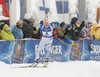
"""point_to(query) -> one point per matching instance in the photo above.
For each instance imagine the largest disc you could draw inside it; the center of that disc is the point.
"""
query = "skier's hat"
(45, 20)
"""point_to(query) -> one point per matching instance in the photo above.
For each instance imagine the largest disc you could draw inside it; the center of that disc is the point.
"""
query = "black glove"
(82, 24)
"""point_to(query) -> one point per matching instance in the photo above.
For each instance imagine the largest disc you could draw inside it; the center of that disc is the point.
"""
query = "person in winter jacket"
(74, 23)
(32, 20)
(86, 31)
(6, 34)
(3, 20)
(95, 31)
(61, 35)
(27, 29)
(35, 33)
(16, 30)
(69, 33)
(75, 26)
(58, 30)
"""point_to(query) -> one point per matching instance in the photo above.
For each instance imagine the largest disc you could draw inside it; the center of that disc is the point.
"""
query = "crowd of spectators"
(26, 29)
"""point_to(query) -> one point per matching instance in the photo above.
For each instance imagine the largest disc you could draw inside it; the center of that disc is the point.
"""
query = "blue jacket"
(17, 32)
(46, 31)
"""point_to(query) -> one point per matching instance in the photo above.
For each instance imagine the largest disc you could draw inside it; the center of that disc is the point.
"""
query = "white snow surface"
(54, 69)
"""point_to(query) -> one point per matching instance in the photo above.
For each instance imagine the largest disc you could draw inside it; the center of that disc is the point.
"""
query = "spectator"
(16, 30)
(74, 23)
(62, 36)
(86, 31)
(95, 31)
(6, 34)
(41, 22)
(58, 30)
(65, 35)
(75, 27)
(35, 33)
(62, 24)
(38, 30)
(3, 21)
(32, 20)
(70, 34)
(27, 29)
(56, 27)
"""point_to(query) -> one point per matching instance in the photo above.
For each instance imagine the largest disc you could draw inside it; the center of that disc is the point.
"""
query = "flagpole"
(63, 10)
(44, 8)
(9, 14)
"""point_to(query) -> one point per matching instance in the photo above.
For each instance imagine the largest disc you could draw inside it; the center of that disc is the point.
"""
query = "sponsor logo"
(76, 51)
(18, 52)
(95, 49)
(54, 58)
(53, 49)
(95, 57)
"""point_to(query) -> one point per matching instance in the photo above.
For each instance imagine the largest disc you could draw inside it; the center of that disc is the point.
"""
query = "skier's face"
(46, 24)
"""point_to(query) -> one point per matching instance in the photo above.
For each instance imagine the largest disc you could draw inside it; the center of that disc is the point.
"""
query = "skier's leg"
(49, 49)
(41, 46)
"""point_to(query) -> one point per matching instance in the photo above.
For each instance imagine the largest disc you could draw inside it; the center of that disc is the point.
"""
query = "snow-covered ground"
(55, 69)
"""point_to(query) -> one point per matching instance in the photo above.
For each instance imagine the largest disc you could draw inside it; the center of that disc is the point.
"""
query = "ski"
(31, 67)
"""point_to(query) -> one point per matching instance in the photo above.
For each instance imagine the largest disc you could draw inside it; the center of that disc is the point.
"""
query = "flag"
(44, 8)
(97, 15)
(62, 10)
(5, 7)
(86, 13)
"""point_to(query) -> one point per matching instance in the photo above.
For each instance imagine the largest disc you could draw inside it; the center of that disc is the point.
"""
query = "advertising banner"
(31, 48)
(91, 50)
(6, 51)
(24, 51)
(76, 51)
(18, 51)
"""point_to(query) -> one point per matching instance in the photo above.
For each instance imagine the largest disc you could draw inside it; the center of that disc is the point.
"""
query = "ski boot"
(46, 62)
(34, 64)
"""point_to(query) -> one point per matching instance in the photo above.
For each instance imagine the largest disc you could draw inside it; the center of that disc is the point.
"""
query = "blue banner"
(31, 48)
(91, 50)
(6, 51)
(24, 51)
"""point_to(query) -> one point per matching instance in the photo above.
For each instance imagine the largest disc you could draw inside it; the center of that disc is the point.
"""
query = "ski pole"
(62, 42)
